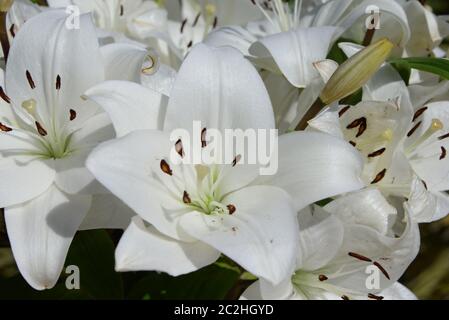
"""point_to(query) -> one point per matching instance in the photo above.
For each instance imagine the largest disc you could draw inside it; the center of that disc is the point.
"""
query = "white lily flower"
(47, 131)
(404, 144)
(291, 41)
(197, 212)
(346, 255)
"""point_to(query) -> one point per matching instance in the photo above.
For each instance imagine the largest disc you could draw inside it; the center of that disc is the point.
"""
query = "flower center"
(280, 14)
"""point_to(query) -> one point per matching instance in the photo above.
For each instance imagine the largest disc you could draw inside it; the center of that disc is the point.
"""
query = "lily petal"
(40, 232)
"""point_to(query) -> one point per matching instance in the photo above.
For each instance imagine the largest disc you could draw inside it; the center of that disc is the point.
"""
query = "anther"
(4, 96)
(72, 114)
(4, 128)
(58, 82)
(203, 137)
(189, 45)
(322, 277)
(236, 160)
(345, 297)
(166, 168)
(343, 111)
(379, 176)
(186, 198)
(178, 147)
(359, 257)
(376, 153)
(30, 80)
(412, 131)
(382, 269)
(418, 113)
(443, 153)
(443, 136)
(122, 10)
(373, 296)
(231, 208)
(40, 129)
(196, 19)
(183, 24)
(11, 30)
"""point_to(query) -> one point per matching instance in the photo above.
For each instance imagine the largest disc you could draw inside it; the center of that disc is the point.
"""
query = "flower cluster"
(92, 91)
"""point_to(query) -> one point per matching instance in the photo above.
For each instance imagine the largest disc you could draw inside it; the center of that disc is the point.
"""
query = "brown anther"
(345, 297)
(214, 25)
(360, 123)
(359, 257)
(4, 96)
(196, 19)
(166, 168)
(343, 111)
(231, 208)
(186, 198)
(30, 80)
(418, 113)
(190, 44)
(122, 10)
(424, 184)
(443, 136)
(11, 30)
(40, 129)
(203, 138)
(236, 160)
(183, 24)
(4, 128)
(382, 269)
(322, 277)
(353, 143)
(443, 153)
(178, 147)
(379, 176)
(373, 296)
(72, 114)
(376, 153)
(58, 82)
(412, 131)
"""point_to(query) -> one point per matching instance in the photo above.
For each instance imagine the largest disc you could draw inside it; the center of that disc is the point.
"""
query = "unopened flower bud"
(356, 71)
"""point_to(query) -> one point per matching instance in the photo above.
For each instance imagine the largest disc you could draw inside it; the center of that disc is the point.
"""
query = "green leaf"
(436, 66)
(212, 282)
(93, 253)
(404, 70)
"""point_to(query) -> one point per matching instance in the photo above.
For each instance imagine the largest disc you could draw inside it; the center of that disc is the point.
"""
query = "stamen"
(425, 184)
(179, 149)
(189, 45)
(376, 153)
(360, 123)
(166, 168)
(373, 296)
(4, 128)
(4, 96)
(418, 113)
(196, 19)
(72, 114)
(359, 257)
(443, 136)
(186, 198)
(343, 111)
(58, 82)
(382, 269)
(122, 10)
(11, 30)
(435, 126)
(443, 153)
(203, 138)
(40, 129)
(30, 80)
(353, 143)
(215, 23)
(379, 176)
(412, 131)
(322, 277)
(183, 24)
(231, 208)
(236, 160)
